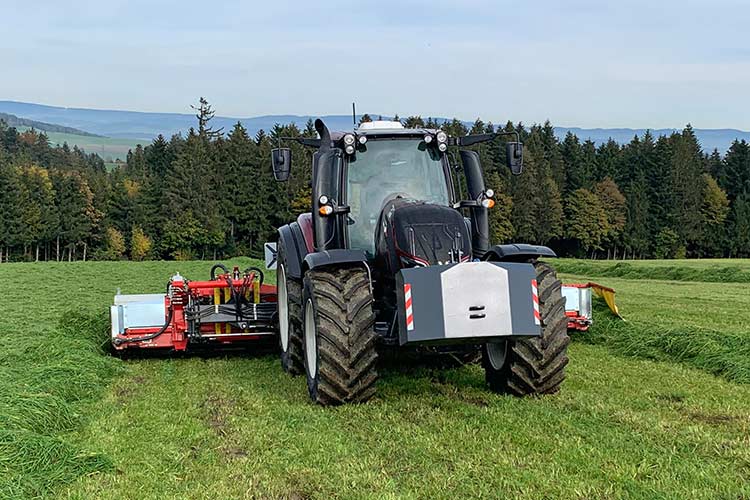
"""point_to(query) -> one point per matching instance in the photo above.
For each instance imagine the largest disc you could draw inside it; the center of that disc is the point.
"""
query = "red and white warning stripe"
(535, 299)
(407, 304)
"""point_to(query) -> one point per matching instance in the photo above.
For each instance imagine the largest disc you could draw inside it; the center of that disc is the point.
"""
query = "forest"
(210, 194)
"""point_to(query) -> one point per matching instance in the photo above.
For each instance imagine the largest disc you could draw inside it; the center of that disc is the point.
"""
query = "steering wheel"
(394, 195)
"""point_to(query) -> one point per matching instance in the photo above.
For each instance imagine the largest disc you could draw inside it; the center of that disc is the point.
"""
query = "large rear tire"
(533, 366)
(290, 318)
(339, 336)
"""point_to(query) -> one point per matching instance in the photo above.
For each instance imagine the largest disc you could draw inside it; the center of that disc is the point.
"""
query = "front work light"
(427, 139)
(442, 137)
(348, 139)
(442, 147)
(362, 139)
(349, 149)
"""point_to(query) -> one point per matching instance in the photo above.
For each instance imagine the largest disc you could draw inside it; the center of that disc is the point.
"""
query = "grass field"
(109, 148)
(78, 424)
(711, 270)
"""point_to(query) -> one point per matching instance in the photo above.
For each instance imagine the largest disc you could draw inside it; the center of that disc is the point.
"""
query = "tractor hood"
(415, 233)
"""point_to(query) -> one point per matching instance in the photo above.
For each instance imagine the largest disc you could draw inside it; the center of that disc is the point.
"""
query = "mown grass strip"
(45, 378)
(724, 353)
(676, 272)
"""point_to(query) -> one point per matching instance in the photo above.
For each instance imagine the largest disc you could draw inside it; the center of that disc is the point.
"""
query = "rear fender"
(518, 252)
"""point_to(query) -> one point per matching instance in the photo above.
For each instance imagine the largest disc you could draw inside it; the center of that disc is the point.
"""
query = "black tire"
(339, 336)
(533, 366)
(290, 341)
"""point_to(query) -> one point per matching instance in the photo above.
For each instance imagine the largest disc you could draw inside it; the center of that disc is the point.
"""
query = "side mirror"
(281, 162)
(514, 157)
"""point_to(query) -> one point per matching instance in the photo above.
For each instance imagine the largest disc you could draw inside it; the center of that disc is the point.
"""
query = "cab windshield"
(385, 169)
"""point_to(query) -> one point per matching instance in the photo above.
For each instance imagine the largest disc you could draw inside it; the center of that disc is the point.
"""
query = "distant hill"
(145, 126)
(709, 139)
(14, 121)
(138, 126)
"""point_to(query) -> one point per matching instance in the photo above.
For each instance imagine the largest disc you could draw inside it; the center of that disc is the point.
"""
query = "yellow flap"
(608, 295)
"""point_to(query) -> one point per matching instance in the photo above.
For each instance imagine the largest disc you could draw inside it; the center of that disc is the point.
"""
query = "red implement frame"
(179, 329)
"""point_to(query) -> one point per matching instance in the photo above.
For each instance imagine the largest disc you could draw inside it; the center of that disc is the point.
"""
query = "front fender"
(517, 252)
(326, 258)
(291, 238)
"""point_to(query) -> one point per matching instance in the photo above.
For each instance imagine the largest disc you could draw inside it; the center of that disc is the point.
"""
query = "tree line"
(211, 194)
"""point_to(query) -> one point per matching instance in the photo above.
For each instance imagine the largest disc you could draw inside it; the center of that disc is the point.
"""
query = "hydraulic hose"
(218, 266)
(257, 270)
(120, 341)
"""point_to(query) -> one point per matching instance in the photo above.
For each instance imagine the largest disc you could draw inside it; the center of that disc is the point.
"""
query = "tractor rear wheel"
(533, 366)
(290, 317)
(339, 336)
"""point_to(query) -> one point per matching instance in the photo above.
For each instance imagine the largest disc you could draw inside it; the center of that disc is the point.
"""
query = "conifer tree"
(413, 122)
(608, 160)
(78, 216)
(734, 177)
(39, 216)
(740, 228)
(572, 156)
(687, 186)
(191, 194)
(537, 212)
(204, 114)
(10, 210)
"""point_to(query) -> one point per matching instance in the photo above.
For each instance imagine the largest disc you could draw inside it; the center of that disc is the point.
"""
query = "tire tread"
(536, 366)
(347, 364)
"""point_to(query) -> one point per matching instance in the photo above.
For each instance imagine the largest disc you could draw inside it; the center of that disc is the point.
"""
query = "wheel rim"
(496, 352)
(311, 340)
(283, 309)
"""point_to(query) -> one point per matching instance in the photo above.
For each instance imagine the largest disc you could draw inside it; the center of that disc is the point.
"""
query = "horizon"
(321, 115)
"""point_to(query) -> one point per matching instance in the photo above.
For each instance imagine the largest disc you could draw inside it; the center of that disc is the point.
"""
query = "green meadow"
(657, 406)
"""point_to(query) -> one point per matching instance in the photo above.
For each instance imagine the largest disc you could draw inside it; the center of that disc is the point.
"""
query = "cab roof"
(383, 128)
(380, 125)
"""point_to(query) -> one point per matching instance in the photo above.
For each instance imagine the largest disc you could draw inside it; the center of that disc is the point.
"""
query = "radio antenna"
(354, 116)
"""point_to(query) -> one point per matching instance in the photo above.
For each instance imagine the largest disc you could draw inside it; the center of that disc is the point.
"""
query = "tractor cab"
(391, 163)
(357, 174)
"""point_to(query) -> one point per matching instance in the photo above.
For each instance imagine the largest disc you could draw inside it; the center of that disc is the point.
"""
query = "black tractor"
(390, 257)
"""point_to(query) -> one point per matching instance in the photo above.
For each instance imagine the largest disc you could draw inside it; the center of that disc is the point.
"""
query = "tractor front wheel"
(339, 336)
(290, 318)
(536, 365)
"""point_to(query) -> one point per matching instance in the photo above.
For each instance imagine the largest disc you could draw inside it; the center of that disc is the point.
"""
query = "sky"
(584, 63)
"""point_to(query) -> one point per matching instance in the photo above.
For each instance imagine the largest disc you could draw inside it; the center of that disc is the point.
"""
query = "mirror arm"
(469, 140)
(472, 203)
(467, 204)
